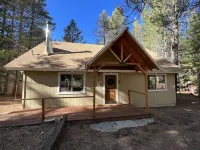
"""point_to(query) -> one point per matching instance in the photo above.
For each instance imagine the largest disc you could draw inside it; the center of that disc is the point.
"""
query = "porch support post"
(146, 90)
(94, 93)
(17, 83)
(25, 78)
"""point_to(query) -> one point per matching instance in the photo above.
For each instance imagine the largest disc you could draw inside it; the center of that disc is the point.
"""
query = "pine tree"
(21, 28)
(101, 31)
(116, 23)
(191, 54)
(153, 36)
(72, 33)
(137, 31)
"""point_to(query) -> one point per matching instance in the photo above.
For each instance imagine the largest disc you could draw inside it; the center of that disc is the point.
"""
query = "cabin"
(75, 74)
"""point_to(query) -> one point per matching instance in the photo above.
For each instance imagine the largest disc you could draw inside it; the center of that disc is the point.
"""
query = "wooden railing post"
(25, 78)
(43, 110)
(94, 93)
(146, 90)
(129, 97)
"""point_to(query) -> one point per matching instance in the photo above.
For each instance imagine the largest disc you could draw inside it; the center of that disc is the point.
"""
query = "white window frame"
(165, 82)
(71, 73)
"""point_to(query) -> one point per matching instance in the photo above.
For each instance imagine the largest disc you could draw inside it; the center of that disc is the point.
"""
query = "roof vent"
(49, 47)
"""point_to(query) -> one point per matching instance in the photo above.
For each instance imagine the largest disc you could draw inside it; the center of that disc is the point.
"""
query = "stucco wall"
(45, 84)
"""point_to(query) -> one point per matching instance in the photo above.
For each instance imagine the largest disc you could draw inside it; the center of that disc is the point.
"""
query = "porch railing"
(129, 94)
(47, 98)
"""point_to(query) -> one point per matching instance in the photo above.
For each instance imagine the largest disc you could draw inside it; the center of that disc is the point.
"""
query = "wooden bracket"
(128, 56)
(115, 55)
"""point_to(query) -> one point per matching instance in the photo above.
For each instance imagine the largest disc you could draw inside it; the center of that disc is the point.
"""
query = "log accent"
(17, 83)
(139, 66)
(128, 56)
(146, 90)
(118, 64)
(25, 78)
(101, 67)
(43, 110)
(115, 55)
(94, 92)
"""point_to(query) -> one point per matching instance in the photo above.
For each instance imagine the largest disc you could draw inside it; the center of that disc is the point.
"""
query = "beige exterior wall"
(45, 84)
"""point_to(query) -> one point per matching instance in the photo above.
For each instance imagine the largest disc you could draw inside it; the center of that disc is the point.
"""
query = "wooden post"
(17, 82)
(94, 93)
(25, 78)
(146, 90)
(43, 110)
(129, 97)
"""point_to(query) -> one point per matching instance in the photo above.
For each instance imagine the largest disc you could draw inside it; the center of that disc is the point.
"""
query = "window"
(71, 83)
(157, 82)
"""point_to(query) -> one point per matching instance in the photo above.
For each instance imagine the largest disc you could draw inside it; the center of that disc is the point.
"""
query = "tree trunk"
(198, 80)
(31, 27)
(21, 24)
(3, 27)
(175, 42)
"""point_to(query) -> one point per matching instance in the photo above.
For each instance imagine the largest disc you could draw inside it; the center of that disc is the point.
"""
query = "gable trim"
(113, 41)
(105, 48)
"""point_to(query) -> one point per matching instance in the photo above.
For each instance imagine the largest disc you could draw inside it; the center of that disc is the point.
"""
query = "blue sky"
(84, 12)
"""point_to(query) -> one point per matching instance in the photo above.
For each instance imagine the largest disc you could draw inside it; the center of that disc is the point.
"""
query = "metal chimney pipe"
(49, 46)
(47, 33)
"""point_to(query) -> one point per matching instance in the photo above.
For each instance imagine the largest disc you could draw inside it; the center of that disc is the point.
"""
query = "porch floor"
(107, 112)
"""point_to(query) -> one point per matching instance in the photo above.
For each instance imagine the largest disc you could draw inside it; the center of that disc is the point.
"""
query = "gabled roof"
(74, 57)
(132, 45)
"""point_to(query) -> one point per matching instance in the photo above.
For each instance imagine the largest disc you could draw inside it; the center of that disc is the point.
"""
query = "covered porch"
(76, 114)
(122, 54)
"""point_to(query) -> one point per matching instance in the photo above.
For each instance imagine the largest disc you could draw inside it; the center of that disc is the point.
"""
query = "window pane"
(78, 83)
(160, 82)
(65, 83)
(152, 82)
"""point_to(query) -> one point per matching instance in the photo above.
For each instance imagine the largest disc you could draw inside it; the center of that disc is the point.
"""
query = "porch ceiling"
(125, 53)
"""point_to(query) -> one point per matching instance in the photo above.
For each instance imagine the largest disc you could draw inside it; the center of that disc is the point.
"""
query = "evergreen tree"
(191, 51)
(153, 36)
(116, 23)
(72, 33)
(101, 32)
(21, 24)
(137, 31)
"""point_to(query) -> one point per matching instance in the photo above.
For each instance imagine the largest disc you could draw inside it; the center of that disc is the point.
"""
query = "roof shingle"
(70, 56)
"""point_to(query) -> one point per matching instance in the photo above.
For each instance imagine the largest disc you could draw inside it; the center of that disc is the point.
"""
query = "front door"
(110, 89)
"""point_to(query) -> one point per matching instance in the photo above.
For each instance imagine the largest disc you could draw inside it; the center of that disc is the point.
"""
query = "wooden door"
(110, 87)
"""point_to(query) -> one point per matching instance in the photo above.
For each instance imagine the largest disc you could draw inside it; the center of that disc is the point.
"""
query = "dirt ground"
(25, 138)
(8, 104)
(174, 128)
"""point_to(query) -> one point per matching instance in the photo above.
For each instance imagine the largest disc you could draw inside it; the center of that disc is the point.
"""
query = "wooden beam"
(118, 63)
(25, 78)
(17, 83)
(128, 56)
(146, 90)
(101, 67)
(115, 55)
(43, 110)
(142, 69)
(122, 50)
(129, 97)
(133, 64)
(94, 93)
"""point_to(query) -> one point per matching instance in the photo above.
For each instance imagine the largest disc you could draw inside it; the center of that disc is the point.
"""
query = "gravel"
(173, 128)
(25, 138)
